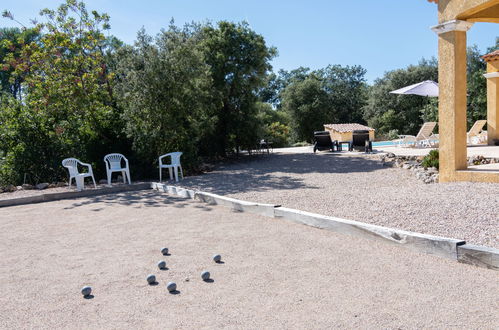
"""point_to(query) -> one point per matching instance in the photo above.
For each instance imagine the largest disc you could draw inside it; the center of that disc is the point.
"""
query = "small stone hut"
(343, 132)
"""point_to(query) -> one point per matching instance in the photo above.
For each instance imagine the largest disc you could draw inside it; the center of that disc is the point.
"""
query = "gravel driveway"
(358, 187)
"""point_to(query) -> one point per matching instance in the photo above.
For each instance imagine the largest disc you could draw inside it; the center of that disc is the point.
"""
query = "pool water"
(383, 144)
(377, 144)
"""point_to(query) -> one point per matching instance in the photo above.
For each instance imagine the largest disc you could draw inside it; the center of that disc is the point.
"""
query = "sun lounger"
(323, 141)
(425, 137)
(475, 134)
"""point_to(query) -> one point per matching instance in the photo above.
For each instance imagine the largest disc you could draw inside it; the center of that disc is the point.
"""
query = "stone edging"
(440, 246)
(50, 197)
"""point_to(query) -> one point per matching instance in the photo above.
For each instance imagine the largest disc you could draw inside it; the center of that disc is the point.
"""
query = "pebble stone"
(164, 251)
(86, 291)
(171, 286)
(217, 258)
(162, 264)
(151, 279)
(205, 275)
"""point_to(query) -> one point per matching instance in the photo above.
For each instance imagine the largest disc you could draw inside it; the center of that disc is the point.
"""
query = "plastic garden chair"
(173, 166)
(113, 164)
(72, 165)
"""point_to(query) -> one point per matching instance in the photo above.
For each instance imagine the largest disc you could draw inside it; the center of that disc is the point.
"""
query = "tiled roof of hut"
(491, 56)
(347, 127)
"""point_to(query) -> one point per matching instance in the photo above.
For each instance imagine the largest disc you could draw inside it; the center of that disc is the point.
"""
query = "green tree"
(404, 111)
(335, 94)
(164, 87)
(239, 63)
(67, 110)
(276, 83)
(476, 85)
(347, 91)
(11, 42)
(306, 102)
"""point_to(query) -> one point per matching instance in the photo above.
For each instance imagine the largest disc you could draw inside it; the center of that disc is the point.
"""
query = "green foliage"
(12, 40)
(334, 94)
(393, 134)
(239, 62)
(476, 85)
(164, 87)
(68, 108)
(385, 111)
(278, 134)
(301, 144)
(431, 160)
(306, 101)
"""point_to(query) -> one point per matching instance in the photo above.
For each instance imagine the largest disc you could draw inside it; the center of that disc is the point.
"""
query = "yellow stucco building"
(455, 18)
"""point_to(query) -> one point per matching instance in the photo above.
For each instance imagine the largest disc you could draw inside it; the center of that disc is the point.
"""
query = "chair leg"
(69, 185)
(123, 175)
(128, 176)
(181, 172)
(109, 178)
(93, 179)
(171, 173)
(160, 175)
(176, 173)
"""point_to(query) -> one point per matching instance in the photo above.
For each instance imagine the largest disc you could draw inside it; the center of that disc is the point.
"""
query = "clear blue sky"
(380, 35)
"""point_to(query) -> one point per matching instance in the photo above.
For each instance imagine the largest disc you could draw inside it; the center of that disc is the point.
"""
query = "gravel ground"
(358, 187)
(276, 275)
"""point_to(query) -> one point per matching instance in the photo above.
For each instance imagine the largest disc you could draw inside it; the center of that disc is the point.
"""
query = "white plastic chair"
(72, 165)
(113, 164)
(173, 166)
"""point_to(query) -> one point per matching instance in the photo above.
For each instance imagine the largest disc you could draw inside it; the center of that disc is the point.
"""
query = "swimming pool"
(383, 144)
(378, 144)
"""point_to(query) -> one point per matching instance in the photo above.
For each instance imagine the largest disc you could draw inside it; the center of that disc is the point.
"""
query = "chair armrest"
(163, 156)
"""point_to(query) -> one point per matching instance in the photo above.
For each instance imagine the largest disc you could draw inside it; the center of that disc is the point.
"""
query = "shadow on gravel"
(138, 199)
(269, 172)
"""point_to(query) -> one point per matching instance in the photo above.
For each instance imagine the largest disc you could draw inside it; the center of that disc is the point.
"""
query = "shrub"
(278, 134)
(431, 160)
(300, 144)
(393, 134)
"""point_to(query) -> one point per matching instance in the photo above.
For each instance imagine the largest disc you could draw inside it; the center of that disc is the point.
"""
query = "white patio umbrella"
(424, 88)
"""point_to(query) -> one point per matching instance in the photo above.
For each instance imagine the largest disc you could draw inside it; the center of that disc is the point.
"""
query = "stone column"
(452, 97)
(492, 76)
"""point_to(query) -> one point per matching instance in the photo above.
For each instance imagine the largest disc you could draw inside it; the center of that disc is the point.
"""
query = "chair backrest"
(359, 138)
(72, 165)
(113, 161)
(175, 158)
(426, 130)
(477, 127)
(323, 139)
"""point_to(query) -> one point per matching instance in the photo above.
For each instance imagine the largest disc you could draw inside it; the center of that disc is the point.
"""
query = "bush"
(278, 134)
(431, 160)
(393, 134)
(300, 144)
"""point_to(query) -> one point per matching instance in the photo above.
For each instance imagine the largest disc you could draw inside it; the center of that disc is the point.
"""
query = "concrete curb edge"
(50, 197)
(449, 248)
(214, 199)
(481, 256)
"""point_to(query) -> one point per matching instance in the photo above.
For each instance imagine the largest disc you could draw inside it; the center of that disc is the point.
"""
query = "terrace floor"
(476, 150)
